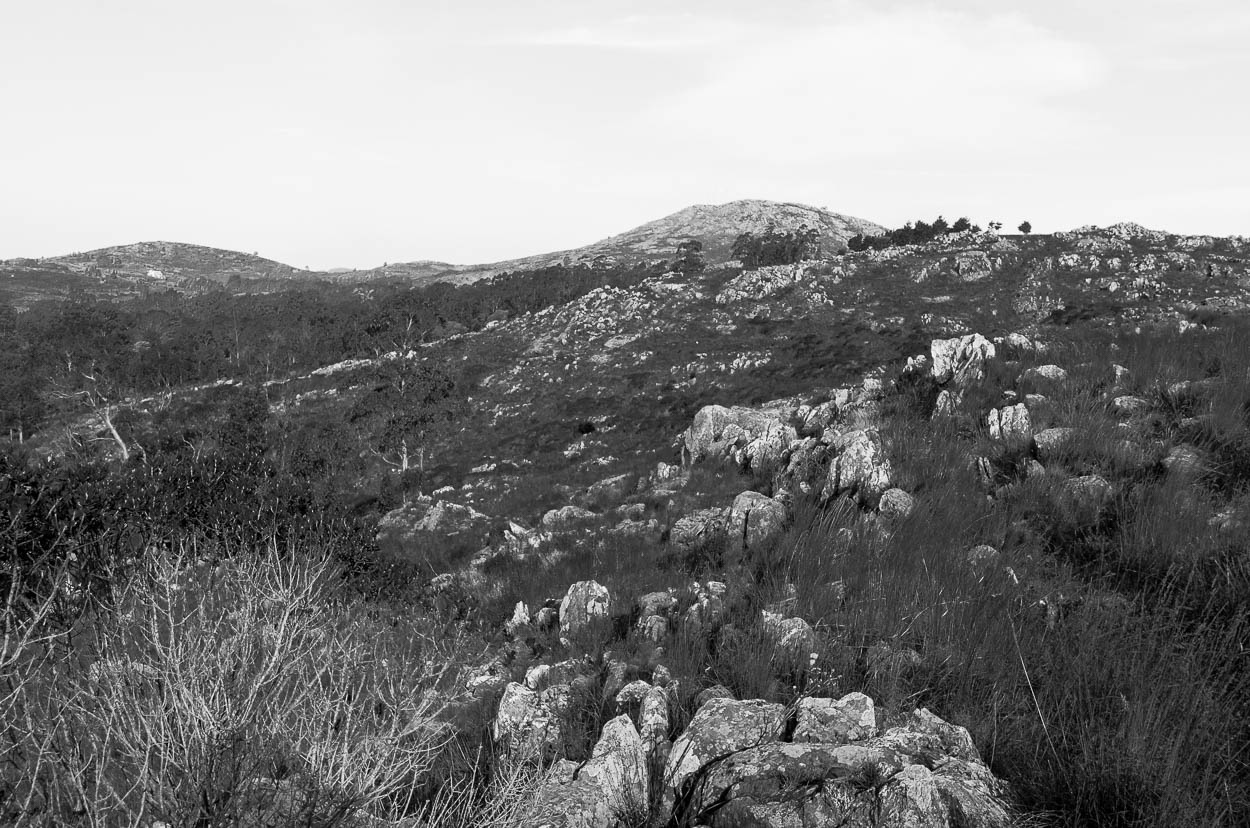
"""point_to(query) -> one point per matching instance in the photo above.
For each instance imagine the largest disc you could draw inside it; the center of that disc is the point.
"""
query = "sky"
(348, 134)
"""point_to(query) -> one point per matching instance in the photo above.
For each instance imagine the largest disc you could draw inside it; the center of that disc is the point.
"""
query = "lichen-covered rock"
(960, 361)
(860, 468)
(1009, 421)
(720, 728)
(848, 719)
(755, 520)
(584, 602)
(653, 718)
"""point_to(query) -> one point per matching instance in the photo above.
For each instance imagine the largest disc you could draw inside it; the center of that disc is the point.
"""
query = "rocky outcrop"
(608, 791)
(753, 439)
(584, 603)
(929, 773)
(721, 727)
(860, 467)
(960, 361)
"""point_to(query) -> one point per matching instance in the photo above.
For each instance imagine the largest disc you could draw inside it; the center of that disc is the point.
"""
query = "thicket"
(910, 233)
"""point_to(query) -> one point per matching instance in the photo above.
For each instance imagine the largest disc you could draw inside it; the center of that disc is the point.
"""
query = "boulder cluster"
(738, 762)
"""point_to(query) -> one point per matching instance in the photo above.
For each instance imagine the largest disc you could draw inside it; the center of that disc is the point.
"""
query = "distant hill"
(715, 225)
(162, 260)
(130, 269)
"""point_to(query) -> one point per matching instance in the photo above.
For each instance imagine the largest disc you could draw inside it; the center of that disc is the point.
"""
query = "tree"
(407, 403)
(1026, 228)
(961, 224)
(996, 226)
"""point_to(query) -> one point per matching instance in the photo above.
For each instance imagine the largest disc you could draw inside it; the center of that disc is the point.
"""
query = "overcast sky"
(349, 133)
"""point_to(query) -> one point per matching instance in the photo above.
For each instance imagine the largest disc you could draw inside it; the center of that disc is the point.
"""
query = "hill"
(129, 270)
(715, 225)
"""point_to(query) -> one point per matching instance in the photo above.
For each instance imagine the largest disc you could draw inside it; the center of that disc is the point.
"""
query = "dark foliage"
(918, 233)
(777, 247)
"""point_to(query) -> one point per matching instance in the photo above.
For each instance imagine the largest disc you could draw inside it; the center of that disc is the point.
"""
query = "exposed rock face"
(754, 521)
(720, 728)
(860, 467)
(584, 602)
(960, 361)
(1009, 422)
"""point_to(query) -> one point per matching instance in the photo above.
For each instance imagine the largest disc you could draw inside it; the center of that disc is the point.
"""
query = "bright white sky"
(350, 133)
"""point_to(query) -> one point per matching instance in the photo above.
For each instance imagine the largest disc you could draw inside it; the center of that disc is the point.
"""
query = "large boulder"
(960, 361)
(721, 727)
(584, 602)
(860, 468)
(755, 520)
(609, 791)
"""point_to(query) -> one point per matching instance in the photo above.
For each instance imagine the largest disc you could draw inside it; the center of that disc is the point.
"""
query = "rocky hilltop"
(714, 225)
